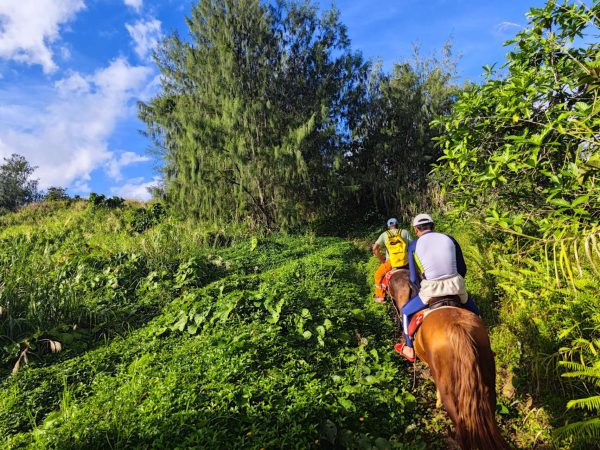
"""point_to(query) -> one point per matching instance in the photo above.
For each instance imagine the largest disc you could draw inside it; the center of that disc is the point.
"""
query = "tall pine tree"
(250, 120)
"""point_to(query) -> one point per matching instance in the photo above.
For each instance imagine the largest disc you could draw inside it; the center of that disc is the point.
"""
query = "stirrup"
(400, 349)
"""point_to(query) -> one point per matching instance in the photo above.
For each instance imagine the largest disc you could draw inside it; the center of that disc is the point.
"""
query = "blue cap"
(392, 221)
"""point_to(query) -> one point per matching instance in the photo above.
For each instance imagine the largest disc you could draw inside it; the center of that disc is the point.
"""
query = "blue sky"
(71, 72)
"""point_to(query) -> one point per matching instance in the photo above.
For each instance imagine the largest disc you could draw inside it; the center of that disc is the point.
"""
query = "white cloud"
(116, 164)
(81, 186)
(135, 189)
(145, 35)
(75, 83)
(68, 138)
(29, 27)
(65, 53)
(503, 27)
(135, 4)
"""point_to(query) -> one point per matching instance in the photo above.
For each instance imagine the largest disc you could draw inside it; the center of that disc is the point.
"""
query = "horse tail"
(474, 390)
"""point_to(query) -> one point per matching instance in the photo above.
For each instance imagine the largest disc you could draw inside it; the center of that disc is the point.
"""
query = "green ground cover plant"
(179, 336)
(260, 342)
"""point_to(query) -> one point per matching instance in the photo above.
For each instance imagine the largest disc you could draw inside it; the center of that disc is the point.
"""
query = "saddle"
(435, 302)
(388, 276)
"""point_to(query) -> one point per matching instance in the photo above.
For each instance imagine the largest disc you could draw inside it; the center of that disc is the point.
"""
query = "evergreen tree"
(55, 193)
(394, 144)
(250, 119)
(16, 186)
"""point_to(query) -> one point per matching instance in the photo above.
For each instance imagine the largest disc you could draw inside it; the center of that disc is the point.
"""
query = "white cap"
(422, 219)
(392, 221)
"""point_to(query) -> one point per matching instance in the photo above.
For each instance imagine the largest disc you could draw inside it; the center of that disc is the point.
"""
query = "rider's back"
(436, 254)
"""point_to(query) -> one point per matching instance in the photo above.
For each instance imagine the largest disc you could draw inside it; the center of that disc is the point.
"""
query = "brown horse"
(454, 344)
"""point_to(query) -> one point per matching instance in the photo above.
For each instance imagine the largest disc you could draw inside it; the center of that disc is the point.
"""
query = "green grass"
(180, 337)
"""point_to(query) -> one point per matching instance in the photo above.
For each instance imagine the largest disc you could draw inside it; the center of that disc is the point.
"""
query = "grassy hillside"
(172, 335)
(185, 337)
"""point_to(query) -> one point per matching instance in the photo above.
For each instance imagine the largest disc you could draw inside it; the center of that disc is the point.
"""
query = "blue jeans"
(415, 304)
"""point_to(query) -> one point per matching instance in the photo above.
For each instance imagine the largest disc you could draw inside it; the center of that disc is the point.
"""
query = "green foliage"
(521, 148)
(172, 341)
(100, 200)
(393, 147)
(56, 194)
(70, 274)
(16, 186)
(141, 219)
(252, 106)
(588, 429)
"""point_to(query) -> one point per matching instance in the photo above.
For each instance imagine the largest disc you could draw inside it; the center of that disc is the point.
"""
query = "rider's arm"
(377, 253)
(412, 265)
(461, 266)
(377, 247)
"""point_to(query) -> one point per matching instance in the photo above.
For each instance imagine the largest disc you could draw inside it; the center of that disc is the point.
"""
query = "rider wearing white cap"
(395, 242)
(437, 266)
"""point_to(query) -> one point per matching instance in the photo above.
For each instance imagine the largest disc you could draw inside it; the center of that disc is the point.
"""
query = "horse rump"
(466, 381)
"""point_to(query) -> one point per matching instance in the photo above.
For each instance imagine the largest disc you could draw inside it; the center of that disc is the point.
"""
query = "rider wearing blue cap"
(437, 267)
(395, 242)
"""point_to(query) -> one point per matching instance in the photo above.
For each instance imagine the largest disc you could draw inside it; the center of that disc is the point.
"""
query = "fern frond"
(589, 429)
(573, 366)
(588, 374)
(589, 403)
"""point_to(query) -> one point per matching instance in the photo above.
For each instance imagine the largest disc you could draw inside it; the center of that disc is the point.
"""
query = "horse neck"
(399, 288)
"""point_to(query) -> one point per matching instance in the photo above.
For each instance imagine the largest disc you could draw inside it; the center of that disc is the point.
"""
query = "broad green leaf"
(346, 403)
(181, 323)
(579, 200)
(559, 202)
(370, 379)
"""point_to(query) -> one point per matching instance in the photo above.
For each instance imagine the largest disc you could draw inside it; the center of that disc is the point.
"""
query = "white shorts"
(454, 285)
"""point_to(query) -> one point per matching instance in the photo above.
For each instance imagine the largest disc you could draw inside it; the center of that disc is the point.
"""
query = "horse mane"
(475, 396)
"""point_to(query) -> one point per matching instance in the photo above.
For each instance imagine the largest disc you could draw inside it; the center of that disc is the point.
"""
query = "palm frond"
(573, 366)
(589, 403)
(566, 258)
(587, 429)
